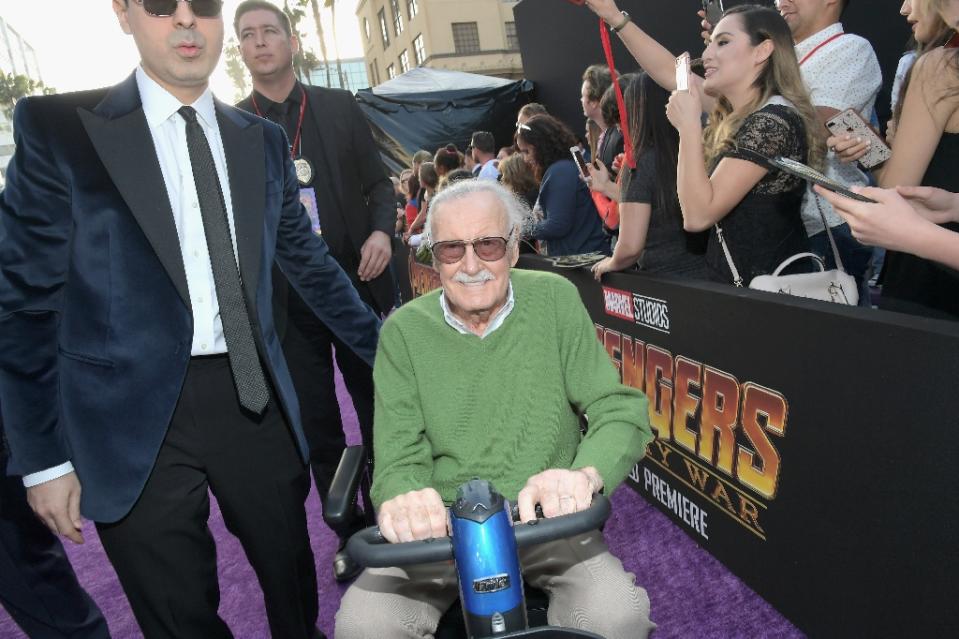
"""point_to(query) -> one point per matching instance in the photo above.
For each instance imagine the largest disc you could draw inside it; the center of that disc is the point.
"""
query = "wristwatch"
(619, 27)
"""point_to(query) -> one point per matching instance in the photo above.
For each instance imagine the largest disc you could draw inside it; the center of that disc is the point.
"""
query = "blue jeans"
(855, 257)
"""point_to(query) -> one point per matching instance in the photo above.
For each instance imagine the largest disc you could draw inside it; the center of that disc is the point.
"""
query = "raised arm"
(653, 57)
(706, 199)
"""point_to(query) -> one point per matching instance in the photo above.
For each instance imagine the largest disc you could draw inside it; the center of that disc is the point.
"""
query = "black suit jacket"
(96, 323)
(354, 191)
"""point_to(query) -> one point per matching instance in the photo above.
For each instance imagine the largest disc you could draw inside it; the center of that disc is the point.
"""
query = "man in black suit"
(138, 352)
(342, 177)
(38, 587)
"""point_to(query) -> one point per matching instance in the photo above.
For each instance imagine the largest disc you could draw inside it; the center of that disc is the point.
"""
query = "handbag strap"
(795, 258)
(737, 278)
(832, 241)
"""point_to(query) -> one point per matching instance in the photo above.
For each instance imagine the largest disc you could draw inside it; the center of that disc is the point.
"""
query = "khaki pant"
(587, 586)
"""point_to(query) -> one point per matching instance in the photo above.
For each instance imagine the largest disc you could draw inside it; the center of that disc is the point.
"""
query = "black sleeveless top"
(912, 284)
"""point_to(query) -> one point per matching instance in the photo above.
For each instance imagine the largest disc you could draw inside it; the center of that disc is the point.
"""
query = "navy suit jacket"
(95, 319)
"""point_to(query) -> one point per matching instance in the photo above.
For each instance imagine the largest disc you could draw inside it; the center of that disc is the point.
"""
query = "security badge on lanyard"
(303, 167)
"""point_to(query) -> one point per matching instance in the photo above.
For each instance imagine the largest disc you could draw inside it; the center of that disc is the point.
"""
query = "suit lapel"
(119, 133)
(245, 158)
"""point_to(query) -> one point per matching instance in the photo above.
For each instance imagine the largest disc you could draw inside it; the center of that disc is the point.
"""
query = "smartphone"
(849, 122)
(713, 10)
(580, 161)
(682, 72)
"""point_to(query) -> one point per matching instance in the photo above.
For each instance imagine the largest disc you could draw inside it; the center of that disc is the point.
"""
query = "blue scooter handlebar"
(369, 549)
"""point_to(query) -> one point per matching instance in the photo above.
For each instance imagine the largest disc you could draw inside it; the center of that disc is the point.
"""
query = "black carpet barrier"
(808, 446)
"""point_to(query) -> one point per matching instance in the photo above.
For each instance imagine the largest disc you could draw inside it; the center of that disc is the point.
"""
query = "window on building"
(512, 40)
(397, 17)
(466, 37)
(374, 73)
(404, 61)
(366, 28)
(391, 71)
(419, 50)
(412, 9)
(384, 30)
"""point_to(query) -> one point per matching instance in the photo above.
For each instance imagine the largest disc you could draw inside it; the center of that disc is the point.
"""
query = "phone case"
(580, 161)
(713, 10)
(850, 122)
(682, 73)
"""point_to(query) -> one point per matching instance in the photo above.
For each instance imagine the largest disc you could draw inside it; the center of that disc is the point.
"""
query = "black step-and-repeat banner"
(811, 447)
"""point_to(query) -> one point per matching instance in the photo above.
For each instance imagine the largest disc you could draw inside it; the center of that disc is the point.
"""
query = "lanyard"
(620, 102)
(295, 146)
(820, 46)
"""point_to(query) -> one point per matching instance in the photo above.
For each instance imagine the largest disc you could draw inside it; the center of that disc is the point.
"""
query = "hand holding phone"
(580, 162)
(850, 123)
(682, 72)
(713, 11)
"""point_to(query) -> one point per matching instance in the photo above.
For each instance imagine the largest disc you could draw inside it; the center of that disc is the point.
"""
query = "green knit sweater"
(450, 407)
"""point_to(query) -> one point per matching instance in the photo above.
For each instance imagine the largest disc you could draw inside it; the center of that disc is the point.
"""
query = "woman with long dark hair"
(759, 107)
(650, 220)
(570, 224)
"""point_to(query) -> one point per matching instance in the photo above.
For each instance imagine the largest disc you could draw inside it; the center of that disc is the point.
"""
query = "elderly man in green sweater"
(486, 377)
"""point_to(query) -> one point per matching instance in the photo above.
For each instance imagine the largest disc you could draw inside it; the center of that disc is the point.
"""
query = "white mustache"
(464, 278)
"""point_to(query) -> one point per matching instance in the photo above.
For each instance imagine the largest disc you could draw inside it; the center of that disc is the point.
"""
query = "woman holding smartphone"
(651, 233)
(759, 107)
(569, 223)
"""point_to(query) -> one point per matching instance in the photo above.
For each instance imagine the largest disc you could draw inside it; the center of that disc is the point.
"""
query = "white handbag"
(835, 285)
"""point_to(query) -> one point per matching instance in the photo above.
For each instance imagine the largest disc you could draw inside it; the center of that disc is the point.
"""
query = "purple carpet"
(677, 573)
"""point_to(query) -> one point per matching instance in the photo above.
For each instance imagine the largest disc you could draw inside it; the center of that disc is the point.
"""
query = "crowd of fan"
(767, 83)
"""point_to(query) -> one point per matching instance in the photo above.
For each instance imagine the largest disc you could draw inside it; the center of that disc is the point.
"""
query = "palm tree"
(319, 32)
(304, 61)
(331, 5)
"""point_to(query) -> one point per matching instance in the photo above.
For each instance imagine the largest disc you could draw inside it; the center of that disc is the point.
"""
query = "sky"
(80, 45)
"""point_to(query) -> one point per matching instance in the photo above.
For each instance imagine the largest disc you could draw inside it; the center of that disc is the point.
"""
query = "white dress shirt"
(495, 322)
(843, 73)
(168, 129)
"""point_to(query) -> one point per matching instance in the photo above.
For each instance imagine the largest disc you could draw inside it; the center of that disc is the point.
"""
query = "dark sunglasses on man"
(488, 249)
(166, 8)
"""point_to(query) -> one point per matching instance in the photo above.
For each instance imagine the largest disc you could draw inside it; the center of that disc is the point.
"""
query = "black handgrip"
(540, 531)
(338, 507)
(368, 547)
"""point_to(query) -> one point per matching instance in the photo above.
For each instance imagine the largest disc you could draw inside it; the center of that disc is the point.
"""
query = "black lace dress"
(912, 284)
(765, 227)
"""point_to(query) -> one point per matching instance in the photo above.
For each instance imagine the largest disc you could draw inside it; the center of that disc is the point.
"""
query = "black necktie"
(247, 373)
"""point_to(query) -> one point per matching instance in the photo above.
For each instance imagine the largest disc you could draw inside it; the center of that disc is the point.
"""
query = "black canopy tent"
(429, 108)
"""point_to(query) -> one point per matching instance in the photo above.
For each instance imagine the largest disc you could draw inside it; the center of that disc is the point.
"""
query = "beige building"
(475, 36)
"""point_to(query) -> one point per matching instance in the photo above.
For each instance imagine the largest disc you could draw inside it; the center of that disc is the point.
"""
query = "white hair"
(518, 215)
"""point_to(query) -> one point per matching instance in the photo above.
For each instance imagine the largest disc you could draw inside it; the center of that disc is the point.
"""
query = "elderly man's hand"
(412, 516)
(558, 492)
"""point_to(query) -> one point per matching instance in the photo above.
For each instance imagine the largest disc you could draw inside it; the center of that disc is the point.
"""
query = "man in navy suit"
(138, 354)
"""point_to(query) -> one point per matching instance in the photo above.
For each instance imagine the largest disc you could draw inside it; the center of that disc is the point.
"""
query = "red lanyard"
(820, 46)
(620, 102)
(295, 146)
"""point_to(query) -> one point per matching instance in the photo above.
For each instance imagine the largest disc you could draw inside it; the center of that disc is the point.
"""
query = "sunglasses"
(488, 249)
(166, 8)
